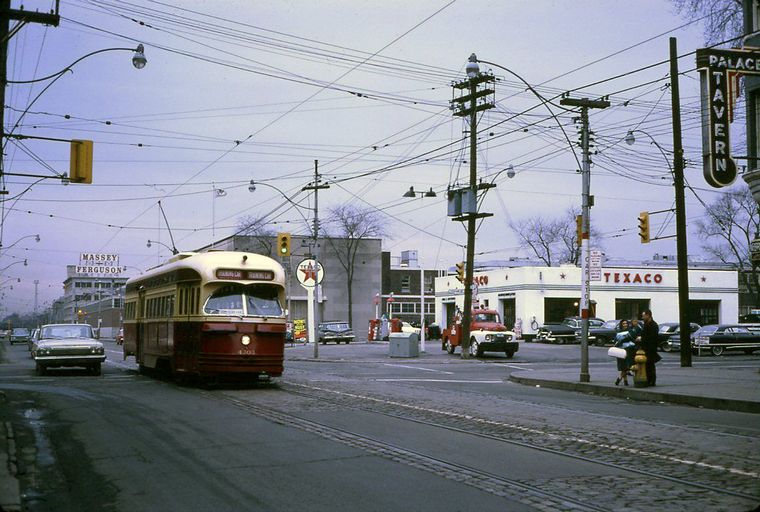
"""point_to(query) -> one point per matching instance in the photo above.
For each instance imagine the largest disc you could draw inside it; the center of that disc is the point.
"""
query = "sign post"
(310, 274)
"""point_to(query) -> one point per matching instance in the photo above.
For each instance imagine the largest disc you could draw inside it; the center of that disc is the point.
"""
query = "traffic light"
(283, 244)
(460, 272)
(579, 230)
(80, 163)
(644, 227)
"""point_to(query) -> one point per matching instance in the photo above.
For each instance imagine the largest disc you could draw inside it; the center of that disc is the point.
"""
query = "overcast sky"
(241, 90)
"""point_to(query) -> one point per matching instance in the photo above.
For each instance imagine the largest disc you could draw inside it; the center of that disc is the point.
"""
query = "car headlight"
(489, 337)
(245, 340)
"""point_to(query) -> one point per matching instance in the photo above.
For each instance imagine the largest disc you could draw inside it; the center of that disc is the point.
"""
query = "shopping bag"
(617, 352)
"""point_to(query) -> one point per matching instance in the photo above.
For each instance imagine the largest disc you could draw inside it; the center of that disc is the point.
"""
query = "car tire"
(666, 347)
(449, 347)
(509, 354)
(475, 350)
(95, 369)
(40, 369)
(716, 350)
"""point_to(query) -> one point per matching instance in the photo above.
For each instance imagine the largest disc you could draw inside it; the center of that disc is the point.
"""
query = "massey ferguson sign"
(720, 71)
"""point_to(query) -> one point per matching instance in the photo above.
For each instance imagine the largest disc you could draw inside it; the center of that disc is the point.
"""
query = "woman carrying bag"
(624, 339)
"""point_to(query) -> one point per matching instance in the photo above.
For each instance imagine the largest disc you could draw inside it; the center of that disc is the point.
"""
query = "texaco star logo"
(310, 272)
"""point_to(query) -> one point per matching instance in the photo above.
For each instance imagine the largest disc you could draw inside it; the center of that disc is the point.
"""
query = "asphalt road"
(373, 435)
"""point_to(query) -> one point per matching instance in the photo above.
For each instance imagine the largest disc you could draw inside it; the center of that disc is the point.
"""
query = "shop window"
(406, 282)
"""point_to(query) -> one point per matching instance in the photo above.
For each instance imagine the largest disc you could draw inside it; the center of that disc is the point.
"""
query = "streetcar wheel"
(449, 347)
(717, 350)
(748, 351)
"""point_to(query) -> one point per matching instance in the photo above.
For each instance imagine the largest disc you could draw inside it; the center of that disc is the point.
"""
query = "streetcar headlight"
(245, 340)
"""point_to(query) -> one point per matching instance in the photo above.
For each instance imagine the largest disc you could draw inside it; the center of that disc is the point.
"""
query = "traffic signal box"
(80, 164)
(283, 244)
(460, 272)
(644, 227)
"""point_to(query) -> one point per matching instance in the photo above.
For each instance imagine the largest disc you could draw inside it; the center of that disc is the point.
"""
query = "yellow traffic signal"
(80, 164)
(644, 227)
(460, 272)
(579, 230)
(283, 244)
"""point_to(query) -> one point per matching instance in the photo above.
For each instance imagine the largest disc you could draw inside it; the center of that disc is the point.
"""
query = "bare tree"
(732, 222)
(262, 236)
(723, 18)
(352, 225)
(553, 241)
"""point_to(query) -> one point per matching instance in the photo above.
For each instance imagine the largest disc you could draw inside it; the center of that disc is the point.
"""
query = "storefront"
(531, 296)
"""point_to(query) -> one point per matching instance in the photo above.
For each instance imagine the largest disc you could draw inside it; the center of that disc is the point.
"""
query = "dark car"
(669, 336)
(20, 335)
(716, 339)
(568, 331)
(334, 331)
(605, 334)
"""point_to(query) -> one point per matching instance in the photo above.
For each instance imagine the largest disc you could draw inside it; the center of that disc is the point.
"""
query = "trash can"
(404, 344)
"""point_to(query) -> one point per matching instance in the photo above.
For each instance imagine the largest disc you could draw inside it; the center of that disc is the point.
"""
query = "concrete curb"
(642, 394)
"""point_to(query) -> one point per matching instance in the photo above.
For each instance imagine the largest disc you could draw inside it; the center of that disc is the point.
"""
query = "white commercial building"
(533, 295)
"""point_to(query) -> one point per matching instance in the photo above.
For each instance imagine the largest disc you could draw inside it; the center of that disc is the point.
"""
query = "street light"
(681, 250)
(252, 188)
(412, 193)
(26, 264)
(172, 249)
(36, 239)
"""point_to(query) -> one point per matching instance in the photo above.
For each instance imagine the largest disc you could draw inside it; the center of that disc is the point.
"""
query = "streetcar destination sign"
(719, 76)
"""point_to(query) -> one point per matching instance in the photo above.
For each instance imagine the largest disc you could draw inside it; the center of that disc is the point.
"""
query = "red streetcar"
(208, 315)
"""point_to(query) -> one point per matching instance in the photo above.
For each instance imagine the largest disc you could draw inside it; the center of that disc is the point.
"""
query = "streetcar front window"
(225, 301)
(263, 300)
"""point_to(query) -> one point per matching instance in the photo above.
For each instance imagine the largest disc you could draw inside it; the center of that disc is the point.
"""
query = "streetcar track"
(571, 439)
(482, 480)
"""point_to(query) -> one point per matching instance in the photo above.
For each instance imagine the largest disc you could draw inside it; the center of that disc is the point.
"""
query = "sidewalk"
(732, 389)
(736, 388)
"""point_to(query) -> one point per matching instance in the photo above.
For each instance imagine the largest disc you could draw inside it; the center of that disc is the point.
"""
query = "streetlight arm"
(544, 101)
(68, 68)
(630, 139)
(172, 249)
(298, 207)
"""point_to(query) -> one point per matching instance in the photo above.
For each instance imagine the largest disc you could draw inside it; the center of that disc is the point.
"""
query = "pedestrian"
(648, 341)
(624, 340)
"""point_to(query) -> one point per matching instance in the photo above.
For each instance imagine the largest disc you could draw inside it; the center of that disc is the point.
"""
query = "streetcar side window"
(263, 300)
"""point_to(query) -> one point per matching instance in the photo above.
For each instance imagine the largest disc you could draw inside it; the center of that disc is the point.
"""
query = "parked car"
(19, 335)
(568, 331)
(334, 331)
(716, 339)
(669, 336)
(409, 328)
(67, 345)
(604, 334)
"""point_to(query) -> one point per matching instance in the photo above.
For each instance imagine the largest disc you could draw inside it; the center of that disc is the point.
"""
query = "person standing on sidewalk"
(648, 342)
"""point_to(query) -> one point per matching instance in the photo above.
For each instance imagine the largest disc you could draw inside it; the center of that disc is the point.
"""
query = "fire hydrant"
(640, 372)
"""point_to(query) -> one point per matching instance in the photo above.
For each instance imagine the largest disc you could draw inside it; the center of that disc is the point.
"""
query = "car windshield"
(595, 323)
(611, 324)
(337, 326)
(239, 300)
(21, 331)
(710, 329)
(66, 331)
(486, 317)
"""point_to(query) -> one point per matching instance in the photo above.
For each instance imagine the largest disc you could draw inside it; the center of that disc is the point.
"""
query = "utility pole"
(469, 196)
(36, 285)
(317, 316)
(23, 17)
(588, 201)
(678, 182)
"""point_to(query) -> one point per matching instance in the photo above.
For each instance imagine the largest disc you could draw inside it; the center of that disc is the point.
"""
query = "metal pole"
(316, 294)
(678, 183)
(470, 259)
(422, 308)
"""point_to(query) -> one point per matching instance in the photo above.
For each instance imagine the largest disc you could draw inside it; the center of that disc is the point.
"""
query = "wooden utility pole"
(584, 105)
(469, 195)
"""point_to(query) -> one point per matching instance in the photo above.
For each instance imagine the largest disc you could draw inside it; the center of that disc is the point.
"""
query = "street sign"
(595, 265)
(755, 250)
(310, 273)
